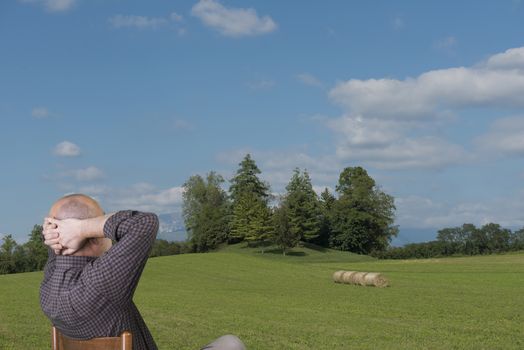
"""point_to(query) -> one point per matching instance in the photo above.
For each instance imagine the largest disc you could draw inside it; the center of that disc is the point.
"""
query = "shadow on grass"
(279, 252)
(315, 247)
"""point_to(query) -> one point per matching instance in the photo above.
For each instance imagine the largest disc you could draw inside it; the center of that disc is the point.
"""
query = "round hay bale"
(358, 278)
(346, 277)
(375, 279)
(337, 276)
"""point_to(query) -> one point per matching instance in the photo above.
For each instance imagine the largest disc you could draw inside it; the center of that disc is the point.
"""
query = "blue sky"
(124, 100)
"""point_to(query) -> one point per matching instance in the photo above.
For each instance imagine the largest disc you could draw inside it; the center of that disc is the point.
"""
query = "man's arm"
(67, 236)
(116, 273)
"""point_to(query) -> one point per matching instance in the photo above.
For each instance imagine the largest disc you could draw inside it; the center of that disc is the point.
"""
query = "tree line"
(32, 255)
(358, 217)
(462, 240)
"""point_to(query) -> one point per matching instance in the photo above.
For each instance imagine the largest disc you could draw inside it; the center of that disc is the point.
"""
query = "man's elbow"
(148, 223)
(152, 223)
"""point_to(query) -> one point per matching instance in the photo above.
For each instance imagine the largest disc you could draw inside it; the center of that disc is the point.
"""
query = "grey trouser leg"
(226, 342)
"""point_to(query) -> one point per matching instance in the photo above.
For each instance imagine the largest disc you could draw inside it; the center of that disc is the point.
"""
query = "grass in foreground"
(275, 302)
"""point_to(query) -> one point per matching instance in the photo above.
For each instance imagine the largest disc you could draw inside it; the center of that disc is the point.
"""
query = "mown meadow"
(276, 302)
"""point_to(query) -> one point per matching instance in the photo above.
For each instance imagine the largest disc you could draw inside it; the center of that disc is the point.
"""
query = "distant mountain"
(172, 227)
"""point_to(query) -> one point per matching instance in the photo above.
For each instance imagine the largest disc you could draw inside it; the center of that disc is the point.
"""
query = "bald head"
(76, 206)
(80, 206)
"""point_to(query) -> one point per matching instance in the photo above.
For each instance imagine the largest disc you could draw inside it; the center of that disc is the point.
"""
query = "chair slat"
(62, 342)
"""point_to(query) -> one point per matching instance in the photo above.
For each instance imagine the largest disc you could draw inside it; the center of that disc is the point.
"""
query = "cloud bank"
(383, 118)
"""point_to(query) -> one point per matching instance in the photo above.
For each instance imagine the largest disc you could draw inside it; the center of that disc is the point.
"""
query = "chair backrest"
(61, 342)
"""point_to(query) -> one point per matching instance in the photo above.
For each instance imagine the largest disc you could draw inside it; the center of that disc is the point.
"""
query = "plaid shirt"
(88, 297)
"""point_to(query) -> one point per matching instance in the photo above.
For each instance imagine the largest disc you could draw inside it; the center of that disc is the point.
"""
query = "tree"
(206, 211)
(283, 236)
(517, 240)
(478, 241)
(455, 239)
(363, 215)
(35, 250)
(259, 229)
(162, 247)
(469, 233)
(498, 238)
(7, 263)
(302, 207)
(327, 201)
(246, 181)
(251, 217)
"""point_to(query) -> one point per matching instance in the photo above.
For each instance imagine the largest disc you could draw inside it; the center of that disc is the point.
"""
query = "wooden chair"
(61, 342)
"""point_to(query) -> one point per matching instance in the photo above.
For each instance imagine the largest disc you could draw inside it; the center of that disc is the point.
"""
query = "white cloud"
(53, 5)
(447, 43)
(140, 196)
(510, 59)
(261, 84)
(420, 212)
(232, 22)
(309, 79)
(380, 114)
(94, 190)
(40, 112)
(86, 174)
(67, 149)
(277, 167)
(140, 22)
(422, 152)
(506, 135)
(372, 132)
(491, 84)
(383, 144)
(59, 5)
(176, 17)
(182, 124)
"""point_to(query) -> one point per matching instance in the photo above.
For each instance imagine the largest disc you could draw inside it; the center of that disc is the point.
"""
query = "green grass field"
(276, 302)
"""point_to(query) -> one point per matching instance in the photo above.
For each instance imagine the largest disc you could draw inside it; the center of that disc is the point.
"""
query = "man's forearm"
(94, 227)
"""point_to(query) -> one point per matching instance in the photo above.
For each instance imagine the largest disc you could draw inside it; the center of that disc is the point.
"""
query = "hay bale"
(347, 276)
(337, 276)
(360, 278)
(375, 279)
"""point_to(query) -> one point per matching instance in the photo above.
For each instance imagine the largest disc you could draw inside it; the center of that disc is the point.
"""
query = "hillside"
(275, 302)
(306, 253)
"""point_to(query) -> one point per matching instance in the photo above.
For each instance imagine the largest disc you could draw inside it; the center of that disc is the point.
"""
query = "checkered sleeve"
(115, 274)
(50, 264)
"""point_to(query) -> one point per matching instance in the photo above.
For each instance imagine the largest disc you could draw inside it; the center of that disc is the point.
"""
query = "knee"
(232, 342)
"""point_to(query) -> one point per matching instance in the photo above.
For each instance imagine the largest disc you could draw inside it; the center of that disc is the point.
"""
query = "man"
(89, 283)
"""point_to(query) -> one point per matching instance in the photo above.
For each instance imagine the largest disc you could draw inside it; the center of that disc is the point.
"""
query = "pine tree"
(251, 217)
(327, 201)
(259, 229)
(283, 237)
(303, 207)
(240, 218)
(246, 181)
